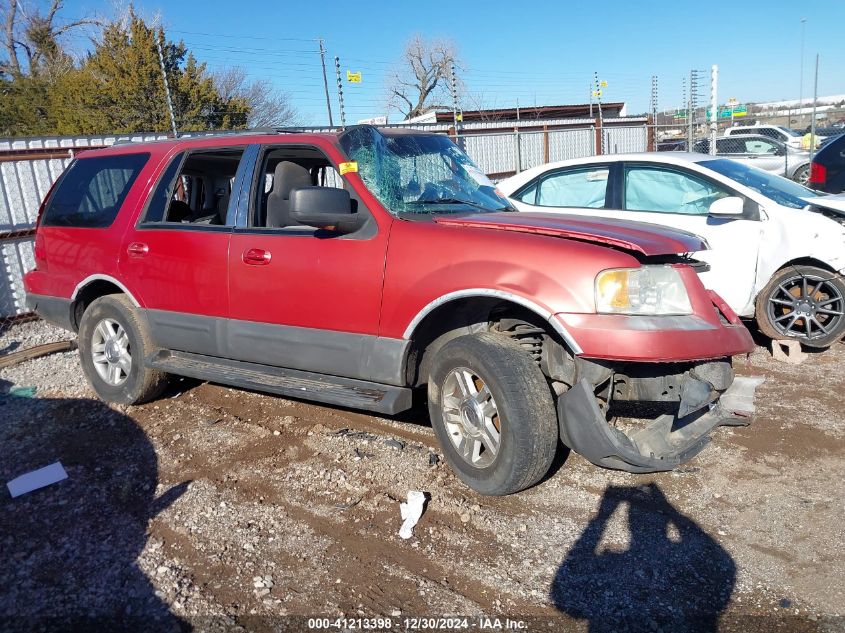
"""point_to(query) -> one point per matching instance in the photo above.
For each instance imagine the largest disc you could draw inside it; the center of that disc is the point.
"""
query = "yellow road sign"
(353, 78)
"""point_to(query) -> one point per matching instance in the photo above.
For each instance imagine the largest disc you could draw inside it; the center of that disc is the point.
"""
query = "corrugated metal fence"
(28, 167)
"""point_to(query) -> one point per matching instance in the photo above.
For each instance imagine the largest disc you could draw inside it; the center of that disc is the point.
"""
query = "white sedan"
(776, 254)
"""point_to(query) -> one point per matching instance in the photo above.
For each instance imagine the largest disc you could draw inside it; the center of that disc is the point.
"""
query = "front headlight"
(646, 290)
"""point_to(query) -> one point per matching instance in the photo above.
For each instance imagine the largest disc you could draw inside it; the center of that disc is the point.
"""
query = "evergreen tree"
(118, 88)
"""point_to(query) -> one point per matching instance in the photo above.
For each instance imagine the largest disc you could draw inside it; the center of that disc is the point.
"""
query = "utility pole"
(166, 85)
(454, 87)
(714, 107)
(590, 92)
(693, 104)
(326, 81)
(340, 93)
(654, 102)
(813, 122)
(598, 105)
(801, 86)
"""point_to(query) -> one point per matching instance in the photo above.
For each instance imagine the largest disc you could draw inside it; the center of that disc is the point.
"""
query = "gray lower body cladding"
(358, 356)
(666, 442)
(55, 310)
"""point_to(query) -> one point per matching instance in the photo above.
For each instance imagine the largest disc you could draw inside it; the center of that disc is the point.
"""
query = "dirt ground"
(221, 509)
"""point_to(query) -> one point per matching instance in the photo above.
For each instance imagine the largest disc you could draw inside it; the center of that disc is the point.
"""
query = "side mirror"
(732, 205)
(325, 208)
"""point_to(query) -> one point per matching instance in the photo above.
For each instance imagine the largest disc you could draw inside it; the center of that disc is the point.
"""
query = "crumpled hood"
(648, 239)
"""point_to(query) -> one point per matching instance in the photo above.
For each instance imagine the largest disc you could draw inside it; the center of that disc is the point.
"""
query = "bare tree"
(268, 107)
(35, 34)
(422, 80)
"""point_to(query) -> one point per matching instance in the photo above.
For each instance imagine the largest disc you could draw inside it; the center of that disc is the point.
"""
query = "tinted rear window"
(92, 191)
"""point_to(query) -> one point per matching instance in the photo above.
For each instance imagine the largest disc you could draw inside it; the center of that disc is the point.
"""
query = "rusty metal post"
(650, 134)
(545, 143)
(599, 135)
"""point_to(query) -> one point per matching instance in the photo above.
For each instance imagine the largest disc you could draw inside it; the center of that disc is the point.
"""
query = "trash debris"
(347, 506)
(411, 512)
(22, 392)
(739, 399)
(36, 479)
(361, 454)
(433, 459)
(399, 445)
(18, 392)
(359, 435)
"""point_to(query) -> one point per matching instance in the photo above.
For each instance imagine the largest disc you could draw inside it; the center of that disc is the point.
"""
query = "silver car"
(764, 153)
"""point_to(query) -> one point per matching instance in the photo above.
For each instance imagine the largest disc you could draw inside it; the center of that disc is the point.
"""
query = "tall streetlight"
(801, 87)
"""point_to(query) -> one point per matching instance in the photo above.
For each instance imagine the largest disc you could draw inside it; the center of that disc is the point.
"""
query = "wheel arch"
(92, 288)
(470, 312)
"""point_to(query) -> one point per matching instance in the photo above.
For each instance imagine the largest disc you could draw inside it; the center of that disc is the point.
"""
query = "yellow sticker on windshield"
(345, 168)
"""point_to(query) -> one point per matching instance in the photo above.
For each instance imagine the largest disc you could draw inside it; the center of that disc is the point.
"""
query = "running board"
(293, 383)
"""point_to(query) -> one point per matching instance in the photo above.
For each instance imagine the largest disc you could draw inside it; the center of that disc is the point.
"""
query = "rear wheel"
(493, 413)
(804, 303)
(802, 175)
(113, 342)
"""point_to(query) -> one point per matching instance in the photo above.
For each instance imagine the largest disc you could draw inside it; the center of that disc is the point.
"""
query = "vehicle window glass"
(93, 190)
(730, 146)
(781, 190)
(760, 146)
(285, 169)
(668, 191)
(162, 194)
(195, 190)
(528, 196)
(416, 175)
(575, 188)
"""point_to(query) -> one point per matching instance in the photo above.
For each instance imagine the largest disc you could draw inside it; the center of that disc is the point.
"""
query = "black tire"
(825, 291)
(802, 175)
(141, 383)
(526, 413)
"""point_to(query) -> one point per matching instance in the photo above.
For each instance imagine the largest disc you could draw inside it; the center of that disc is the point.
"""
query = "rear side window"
(574, 188)
(92, 191)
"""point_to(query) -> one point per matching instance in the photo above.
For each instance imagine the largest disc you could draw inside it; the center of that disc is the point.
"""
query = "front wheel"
(493, 413)
(806, 303)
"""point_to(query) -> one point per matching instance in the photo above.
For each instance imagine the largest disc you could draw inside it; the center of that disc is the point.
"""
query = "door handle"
(137, 249)
(256, 257)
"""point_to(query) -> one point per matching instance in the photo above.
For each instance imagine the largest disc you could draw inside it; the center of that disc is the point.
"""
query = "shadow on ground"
(672, 576)
(69, 550)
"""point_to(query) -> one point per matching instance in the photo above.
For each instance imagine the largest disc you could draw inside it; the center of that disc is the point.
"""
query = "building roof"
(537, 113)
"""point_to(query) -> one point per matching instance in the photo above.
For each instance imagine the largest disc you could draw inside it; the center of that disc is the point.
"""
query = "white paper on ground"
(411, 512)
(36, 479)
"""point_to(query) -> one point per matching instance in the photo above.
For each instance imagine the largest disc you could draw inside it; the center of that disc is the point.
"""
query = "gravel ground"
(221, 509)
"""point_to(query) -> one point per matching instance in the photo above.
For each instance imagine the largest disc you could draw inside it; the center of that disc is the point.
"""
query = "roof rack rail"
(211, 134)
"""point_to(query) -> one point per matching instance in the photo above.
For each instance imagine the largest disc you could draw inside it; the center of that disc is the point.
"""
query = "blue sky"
(540, 52)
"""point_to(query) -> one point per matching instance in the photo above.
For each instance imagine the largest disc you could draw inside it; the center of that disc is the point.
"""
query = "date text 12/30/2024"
(479, 623)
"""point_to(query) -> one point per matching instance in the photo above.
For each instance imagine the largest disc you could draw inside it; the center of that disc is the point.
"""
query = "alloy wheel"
(805, 306)
(110, 352)
(471, 417)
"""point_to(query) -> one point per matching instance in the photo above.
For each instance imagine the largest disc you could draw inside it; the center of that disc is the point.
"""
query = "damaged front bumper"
(707, 395)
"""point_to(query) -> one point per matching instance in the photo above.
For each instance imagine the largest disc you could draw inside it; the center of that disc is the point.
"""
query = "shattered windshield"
(777, 188)
(413, 174)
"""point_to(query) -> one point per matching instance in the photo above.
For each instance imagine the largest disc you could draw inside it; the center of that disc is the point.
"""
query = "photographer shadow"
(673, 576)
(70, 550)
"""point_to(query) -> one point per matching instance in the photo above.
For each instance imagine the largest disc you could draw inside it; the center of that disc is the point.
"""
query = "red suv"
(352, 268)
